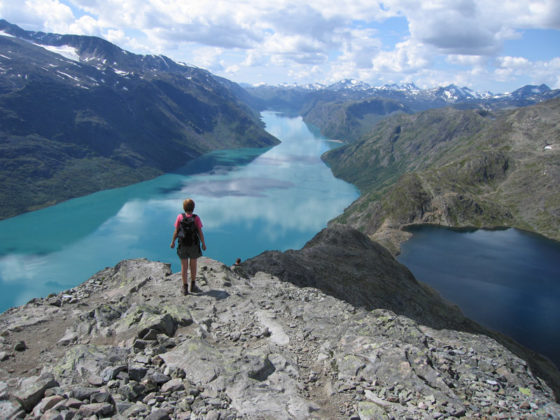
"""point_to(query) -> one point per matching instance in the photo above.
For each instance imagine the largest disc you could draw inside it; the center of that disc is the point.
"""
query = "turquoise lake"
(249, 200)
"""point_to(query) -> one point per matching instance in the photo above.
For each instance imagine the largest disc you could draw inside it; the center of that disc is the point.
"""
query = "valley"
(98, 148)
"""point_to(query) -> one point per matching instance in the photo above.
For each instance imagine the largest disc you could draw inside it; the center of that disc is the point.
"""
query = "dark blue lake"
(507, 280)
(249, 200)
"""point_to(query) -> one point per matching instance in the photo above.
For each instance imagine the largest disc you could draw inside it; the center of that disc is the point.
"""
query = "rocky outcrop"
(128, 344)
(346, 264)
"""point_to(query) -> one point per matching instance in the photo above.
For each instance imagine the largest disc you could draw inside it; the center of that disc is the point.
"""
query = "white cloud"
(548, 72)
(467, 60)
(454, 27)
(539, 72)
(296, 48)
(359, 47)
(207, 57)
(37, 14)
(86, 25)
(514, 63)
(510, 66)
(116, 36)
(318, 38)
(532, 14)
(408, 56)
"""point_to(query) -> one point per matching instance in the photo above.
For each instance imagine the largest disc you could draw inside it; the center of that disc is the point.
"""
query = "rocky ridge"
(127, 344)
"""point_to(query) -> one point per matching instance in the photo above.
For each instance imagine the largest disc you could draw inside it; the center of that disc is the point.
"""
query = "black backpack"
(188, 232)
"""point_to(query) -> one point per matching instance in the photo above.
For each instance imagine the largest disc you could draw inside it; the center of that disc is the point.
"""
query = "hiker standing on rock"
(188, 228)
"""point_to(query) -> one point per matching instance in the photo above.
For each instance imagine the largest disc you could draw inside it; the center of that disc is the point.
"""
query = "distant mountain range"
(79, 114)
(447, 156)
(416, 98)
(347, 109)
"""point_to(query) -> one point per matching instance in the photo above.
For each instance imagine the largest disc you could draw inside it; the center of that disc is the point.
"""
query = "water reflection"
(248, 202)
(252, 187)
(221, 161)
(507, 280)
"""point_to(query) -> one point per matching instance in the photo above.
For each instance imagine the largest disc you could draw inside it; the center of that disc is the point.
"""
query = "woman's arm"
(174, 237)
(201, 236)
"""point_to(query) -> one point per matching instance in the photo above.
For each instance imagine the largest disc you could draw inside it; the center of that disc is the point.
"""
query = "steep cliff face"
(127, 343)
(456, 168)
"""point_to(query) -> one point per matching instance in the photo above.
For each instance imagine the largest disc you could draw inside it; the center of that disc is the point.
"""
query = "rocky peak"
(349, 84)
(127, 343)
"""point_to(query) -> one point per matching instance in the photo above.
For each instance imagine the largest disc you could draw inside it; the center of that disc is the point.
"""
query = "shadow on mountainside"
(346, 264)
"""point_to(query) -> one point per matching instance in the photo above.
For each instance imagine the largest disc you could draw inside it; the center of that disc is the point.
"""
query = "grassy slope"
(456, 168)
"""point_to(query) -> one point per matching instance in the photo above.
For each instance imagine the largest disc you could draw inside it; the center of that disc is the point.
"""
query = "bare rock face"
(128, 344)
(345, 263)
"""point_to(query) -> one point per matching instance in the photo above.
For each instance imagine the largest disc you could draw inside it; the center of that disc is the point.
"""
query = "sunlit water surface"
(249, 200)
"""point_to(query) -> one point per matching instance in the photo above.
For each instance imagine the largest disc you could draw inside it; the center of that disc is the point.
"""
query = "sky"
(486, 45)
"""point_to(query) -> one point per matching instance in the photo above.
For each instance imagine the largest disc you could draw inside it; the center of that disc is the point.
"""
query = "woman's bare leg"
(193, 272)
(185, 271)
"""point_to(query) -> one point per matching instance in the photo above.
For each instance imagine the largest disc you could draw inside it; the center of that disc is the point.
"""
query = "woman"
(188, 250)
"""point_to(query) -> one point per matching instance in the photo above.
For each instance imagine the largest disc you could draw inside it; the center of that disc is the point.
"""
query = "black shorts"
(192, 251)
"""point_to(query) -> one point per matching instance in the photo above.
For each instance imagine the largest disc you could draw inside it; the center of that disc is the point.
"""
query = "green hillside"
(349, 120)
(456, 168)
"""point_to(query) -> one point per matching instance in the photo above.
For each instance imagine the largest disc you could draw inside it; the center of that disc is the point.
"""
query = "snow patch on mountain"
(404, 87)
(121, 72)
(64, 50)
(351, 84)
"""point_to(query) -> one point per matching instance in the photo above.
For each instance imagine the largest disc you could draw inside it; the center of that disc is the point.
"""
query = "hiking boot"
(185, 289)
(194, 288)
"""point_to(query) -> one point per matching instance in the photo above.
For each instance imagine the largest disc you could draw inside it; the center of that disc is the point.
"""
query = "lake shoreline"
(223, 184)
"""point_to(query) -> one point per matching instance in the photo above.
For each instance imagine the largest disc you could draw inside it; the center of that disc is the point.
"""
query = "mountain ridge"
(330, 108)
(104, 118)
(450, 92)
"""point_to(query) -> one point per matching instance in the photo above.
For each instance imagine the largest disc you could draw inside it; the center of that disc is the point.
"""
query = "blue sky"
(495, 45)
(535, 44)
